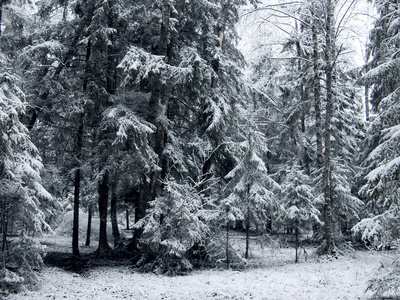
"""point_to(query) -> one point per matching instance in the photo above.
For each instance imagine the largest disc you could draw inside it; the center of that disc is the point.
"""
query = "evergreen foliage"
(113, 103)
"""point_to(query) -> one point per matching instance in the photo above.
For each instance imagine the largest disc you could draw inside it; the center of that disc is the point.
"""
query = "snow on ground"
(342, 278)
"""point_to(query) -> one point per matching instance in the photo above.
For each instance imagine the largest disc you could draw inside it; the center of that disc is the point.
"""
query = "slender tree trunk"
(227, 245)
(4, 225)
(103, 206)
(111, 82)
(127, 217)
(269, 224)
(317, 99)
(89, 225)
(78, 175)
(77, 189)
(1, 16)
(366, 101)
(317, 90)
(328, 218)
(248, 223)
(296, 232)
(114, 220)
(384, 34)
(246, 256)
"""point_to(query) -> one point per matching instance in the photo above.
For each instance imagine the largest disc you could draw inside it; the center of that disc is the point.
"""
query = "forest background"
(149, 109)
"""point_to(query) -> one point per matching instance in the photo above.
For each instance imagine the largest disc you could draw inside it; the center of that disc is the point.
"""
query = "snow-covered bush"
(387, 286)
(172, 225)
(21, 262)
(381, 231)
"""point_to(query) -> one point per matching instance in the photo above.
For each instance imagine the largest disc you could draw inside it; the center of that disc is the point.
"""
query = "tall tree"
(327, 186)
(22, 194)
(381, 156)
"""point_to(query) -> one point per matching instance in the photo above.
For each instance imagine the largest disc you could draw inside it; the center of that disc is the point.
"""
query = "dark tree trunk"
(89, 225)
(1, 15)
(269, 224)
(140, 212)
(77, 189)
(103, 206)
(248, 223)
(296, 232)
(246, 256)
(114, 220)
(227, 245)
(79, 148)
(4, 225)
(127, 217)
(328, 218)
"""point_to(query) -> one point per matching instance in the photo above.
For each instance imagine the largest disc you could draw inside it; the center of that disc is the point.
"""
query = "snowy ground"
(278, 278)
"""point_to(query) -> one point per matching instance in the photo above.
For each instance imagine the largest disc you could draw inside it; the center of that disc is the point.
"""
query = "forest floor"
(274, 275)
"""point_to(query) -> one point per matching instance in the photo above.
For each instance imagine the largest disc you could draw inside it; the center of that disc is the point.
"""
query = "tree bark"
(246, 256)
(1, 15)
(384, 34)
(4, 225)
(77, 189)
(114, 220)
(127, 218)
(78, 175)
(227, 245)
(89, 225)
(296, 232)
(103, 206)
(317, 90)
(328, 218)
(366, 101)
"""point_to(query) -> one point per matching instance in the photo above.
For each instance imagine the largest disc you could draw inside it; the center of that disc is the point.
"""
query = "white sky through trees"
(267, 27)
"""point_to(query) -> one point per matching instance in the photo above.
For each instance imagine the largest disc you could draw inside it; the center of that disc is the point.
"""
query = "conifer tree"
(22, 194)
(381, 157)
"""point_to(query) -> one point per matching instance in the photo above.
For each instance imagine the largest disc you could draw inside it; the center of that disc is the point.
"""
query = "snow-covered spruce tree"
(58, 83)
(219, 95)
(251, 193)
(299, 205)
(90, 48)
(194, 88)
(381, 161)
(153, 72)
(347, 133)
(381, 156)
(21, 190)
(131, 153)
(173, 224)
